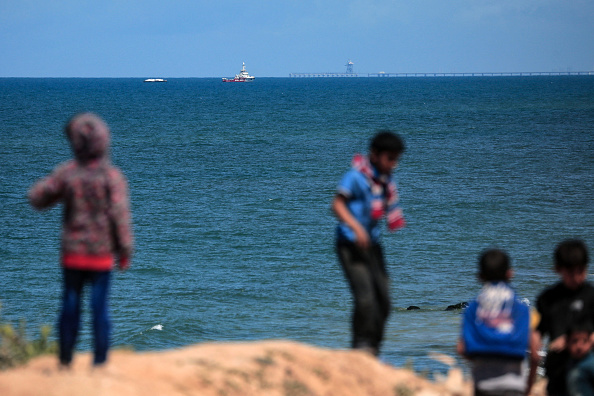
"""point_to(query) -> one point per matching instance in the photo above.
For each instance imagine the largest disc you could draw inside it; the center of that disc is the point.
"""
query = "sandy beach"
(226, 369)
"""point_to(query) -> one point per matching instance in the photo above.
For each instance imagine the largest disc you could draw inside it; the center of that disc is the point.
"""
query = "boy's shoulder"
(499, 295)
(353, 177)
(113, 170)
(66, 165)
(352, 172)
(64, 169)
(551, 290)
(559, 291)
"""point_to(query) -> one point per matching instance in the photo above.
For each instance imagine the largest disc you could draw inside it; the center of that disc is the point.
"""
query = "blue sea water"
(231, 187)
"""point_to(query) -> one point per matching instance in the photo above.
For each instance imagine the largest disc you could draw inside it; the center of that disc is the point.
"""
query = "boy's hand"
(123, 263)
(339, 206)
(558, 344)
(363, 240)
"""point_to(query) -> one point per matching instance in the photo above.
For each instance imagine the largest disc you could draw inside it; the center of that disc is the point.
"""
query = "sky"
(197, 38)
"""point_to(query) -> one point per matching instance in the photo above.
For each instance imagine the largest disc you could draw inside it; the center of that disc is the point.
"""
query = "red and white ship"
(243, 76)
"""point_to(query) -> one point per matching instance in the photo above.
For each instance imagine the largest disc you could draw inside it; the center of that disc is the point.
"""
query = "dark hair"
(493, 265)
(571, 254)
(580, 324)
(385, 140)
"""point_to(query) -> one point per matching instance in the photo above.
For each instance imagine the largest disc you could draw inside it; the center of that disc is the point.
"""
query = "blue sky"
(185, 38)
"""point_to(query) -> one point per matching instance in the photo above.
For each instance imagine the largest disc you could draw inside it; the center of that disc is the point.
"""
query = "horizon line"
(362, 75)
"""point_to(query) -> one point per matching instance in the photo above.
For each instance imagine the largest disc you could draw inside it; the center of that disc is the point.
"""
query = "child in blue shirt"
(365, 195)
(496, 332)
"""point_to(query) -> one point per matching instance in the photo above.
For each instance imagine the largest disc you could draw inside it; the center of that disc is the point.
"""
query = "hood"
(89, 137)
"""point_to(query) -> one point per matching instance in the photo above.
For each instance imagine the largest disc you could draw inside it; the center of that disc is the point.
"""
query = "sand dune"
(282, 368)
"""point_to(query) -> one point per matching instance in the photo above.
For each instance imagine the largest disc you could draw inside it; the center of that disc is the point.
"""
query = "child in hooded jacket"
(96, 229)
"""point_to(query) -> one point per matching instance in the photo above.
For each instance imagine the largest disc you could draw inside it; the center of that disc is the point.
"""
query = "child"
(560, 305)
(496, 332)
(365, 195)
(96, 228)
(580, 377)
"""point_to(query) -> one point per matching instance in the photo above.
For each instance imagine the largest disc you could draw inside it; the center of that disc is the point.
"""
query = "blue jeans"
(74, 280)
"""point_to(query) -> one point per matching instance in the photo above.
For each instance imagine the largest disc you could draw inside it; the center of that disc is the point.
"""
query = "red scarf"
(384, 192)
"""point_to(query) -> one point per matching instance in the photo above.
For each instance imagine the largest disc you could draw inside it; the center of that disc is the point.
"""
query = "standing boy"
(96, 228)
(561, 305)
(367, 193)
(496, 332)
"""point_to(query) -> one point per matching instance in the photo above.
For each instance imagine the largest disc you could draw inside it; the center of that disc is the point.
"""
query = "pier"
(482, 74)
(474, 74)
(306, 75)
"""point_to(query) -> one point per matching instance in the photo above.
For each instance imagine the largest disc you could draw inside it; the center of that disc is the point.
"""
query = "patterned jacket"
(96, 226)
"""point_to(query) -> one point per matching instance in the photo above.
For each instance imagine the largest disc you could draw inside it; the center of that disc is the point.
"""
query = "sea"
(231, 186)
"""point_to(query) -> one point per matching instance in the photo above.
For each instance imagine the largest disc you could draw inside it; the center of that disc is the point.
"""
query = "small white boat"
(155, 80)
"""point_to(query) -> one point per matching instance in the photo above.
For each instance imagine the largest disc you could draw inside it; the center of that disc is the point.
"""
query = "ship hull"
(238, 79)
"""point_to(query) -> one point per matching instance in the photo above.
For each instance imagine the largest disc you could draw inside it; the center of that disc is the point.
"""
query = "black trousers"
(366, 273)
(556, 364)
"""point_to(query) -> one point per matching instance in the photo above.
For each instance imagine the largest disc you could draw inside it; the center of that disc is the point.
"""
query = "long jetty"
(474, 74)
(324, 75)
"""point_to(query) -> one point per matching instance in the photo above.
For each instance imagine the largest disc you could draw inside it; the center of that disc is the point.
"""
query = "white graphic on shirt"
(577, 305)
(494, 307)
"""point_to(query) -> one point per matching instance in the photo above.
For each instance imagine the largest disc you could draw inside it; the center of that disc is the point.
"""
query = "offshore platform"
(349, 73)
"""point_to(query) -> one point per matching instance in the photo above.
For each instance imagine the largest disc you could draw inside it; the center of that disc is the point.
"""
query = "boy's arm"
(534, 357)
(47, 191)
(342, 212)
(558, 344)
(461, 347)
(534, 346)
(461, 344)
(121, 218)
(544, 327)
